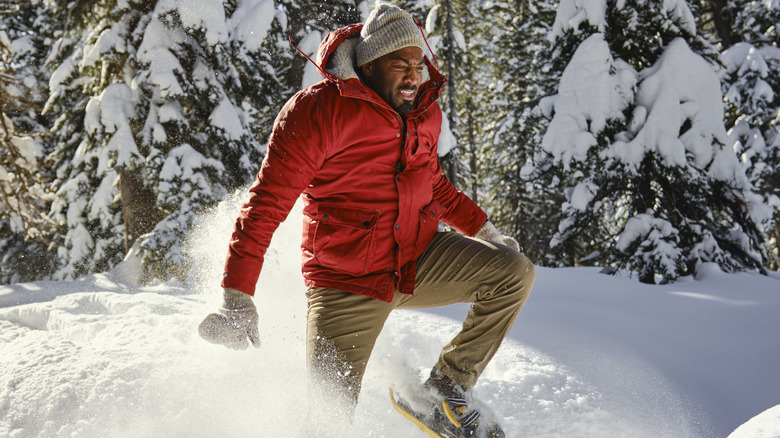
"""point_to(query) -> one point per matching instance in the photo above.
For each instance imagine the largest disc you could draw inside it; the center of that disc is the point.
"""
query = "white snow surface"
(761, 426)
(591, 355)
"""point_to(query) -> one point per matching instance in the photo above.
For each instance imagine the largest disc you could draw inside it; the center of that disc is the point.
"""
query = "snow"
(117, 108)
(446, 138)
(182, 166)
(682, 86)
(252, 21)
(62, 73)
(171, 111)
(225, 116)
(593, 89)
(760, 426)
(309, 45)
(582, 194)
(651, 232)
(591, 355)
(27, 148)
(208, 15)
(109, 39)
(103, 198)
(570, 14)
(680, 89)
(679, 9)
(432, 18)
(162, 64)
(743, 58)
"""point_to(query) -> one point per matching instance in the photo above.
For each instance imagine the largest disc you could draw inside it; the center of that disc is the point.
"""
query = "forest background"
(639, 135)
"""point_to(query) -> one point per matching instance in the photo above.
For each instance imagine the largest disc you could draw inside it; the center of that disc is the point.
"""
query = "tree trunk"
(451, 115)
(138, 206)
(721, 24)
(473, 163)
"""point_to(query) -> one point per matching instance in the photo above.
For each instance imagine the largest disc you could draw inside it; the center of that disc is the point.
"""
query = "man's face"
(396, 77)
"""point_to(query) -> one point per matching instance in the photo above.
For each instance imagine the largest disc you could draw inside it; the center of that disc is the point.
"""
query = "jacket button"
(397, 227)
(366, 223)
(324, 217)
(398, 178)
(397, 135)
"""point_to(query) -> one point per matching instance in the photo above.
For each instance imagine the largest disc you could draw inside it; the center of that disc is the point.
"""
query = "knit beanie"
(388, 28)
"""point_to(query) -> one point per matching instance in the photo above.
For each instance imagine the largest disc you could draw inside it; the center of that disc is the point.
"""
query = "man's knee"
(520, 276)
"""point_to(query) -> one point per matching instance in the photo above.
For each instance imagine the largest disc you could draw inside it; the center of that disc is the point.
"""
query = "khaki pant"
(342, 327)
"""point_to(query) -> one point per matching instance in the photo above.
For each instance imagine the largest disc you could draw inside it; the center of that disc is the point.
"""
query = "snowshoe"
(449, 417)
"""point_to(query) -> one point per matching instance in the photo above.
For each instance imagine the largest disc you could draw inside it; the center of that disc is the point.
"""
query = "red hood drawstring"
(435, 61)
(322, 71)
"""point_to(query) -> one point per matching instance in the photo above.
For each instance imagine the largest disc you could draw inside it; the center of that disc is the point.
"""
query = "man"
(360, 148)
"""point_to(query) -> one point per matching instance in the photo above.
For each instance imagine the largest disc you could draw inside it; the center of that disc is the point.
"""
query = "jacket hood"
(336, 55)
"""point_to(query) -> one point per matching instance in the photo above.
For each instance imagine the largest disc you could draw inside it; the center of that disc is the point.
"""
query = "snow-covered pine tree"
(751, 88)
(463, 34)
(550, 180)
(517, 80)
(637, 127)
(25, 228)
(154, 104)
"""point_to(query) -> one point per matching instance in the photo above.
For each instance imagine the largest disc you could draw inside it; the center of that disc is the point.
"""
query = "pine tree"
(750, 87)
(464, 33)
(155, 108)
(25, 228)
(655, 188)
(516, 201)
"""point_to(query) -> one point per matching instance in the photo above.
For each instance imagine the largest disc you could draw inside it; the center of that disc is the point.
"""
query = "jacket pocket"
(344, 238)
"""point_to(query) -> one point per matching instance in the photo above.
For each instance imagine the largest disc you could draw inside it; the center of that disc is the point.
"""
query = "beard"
(404, 107)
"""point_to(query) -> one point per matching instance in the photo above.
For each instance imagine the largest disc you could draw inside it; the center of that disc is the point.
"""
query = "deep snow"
(590, 356)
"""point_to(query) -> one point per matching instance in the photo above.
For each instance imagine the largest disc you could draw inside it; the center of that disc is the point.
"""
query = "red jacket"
(372, 186)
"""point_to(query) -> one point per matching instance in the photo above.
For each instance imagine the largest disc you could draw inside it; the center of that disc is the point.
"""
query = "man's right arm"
(296, 151)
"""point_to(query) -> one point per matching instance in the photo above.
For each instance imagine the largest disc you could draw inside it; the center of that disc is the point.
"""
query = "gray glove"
(233, 323)
(490, 233)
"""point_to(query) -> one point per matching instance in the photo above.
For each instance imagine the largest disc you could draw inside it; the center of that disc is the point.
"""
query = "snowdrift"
(590, 356)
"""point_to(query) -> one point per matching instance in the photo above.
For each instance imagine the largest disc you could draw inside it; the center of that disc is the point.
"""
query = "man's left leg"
(494, 278)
